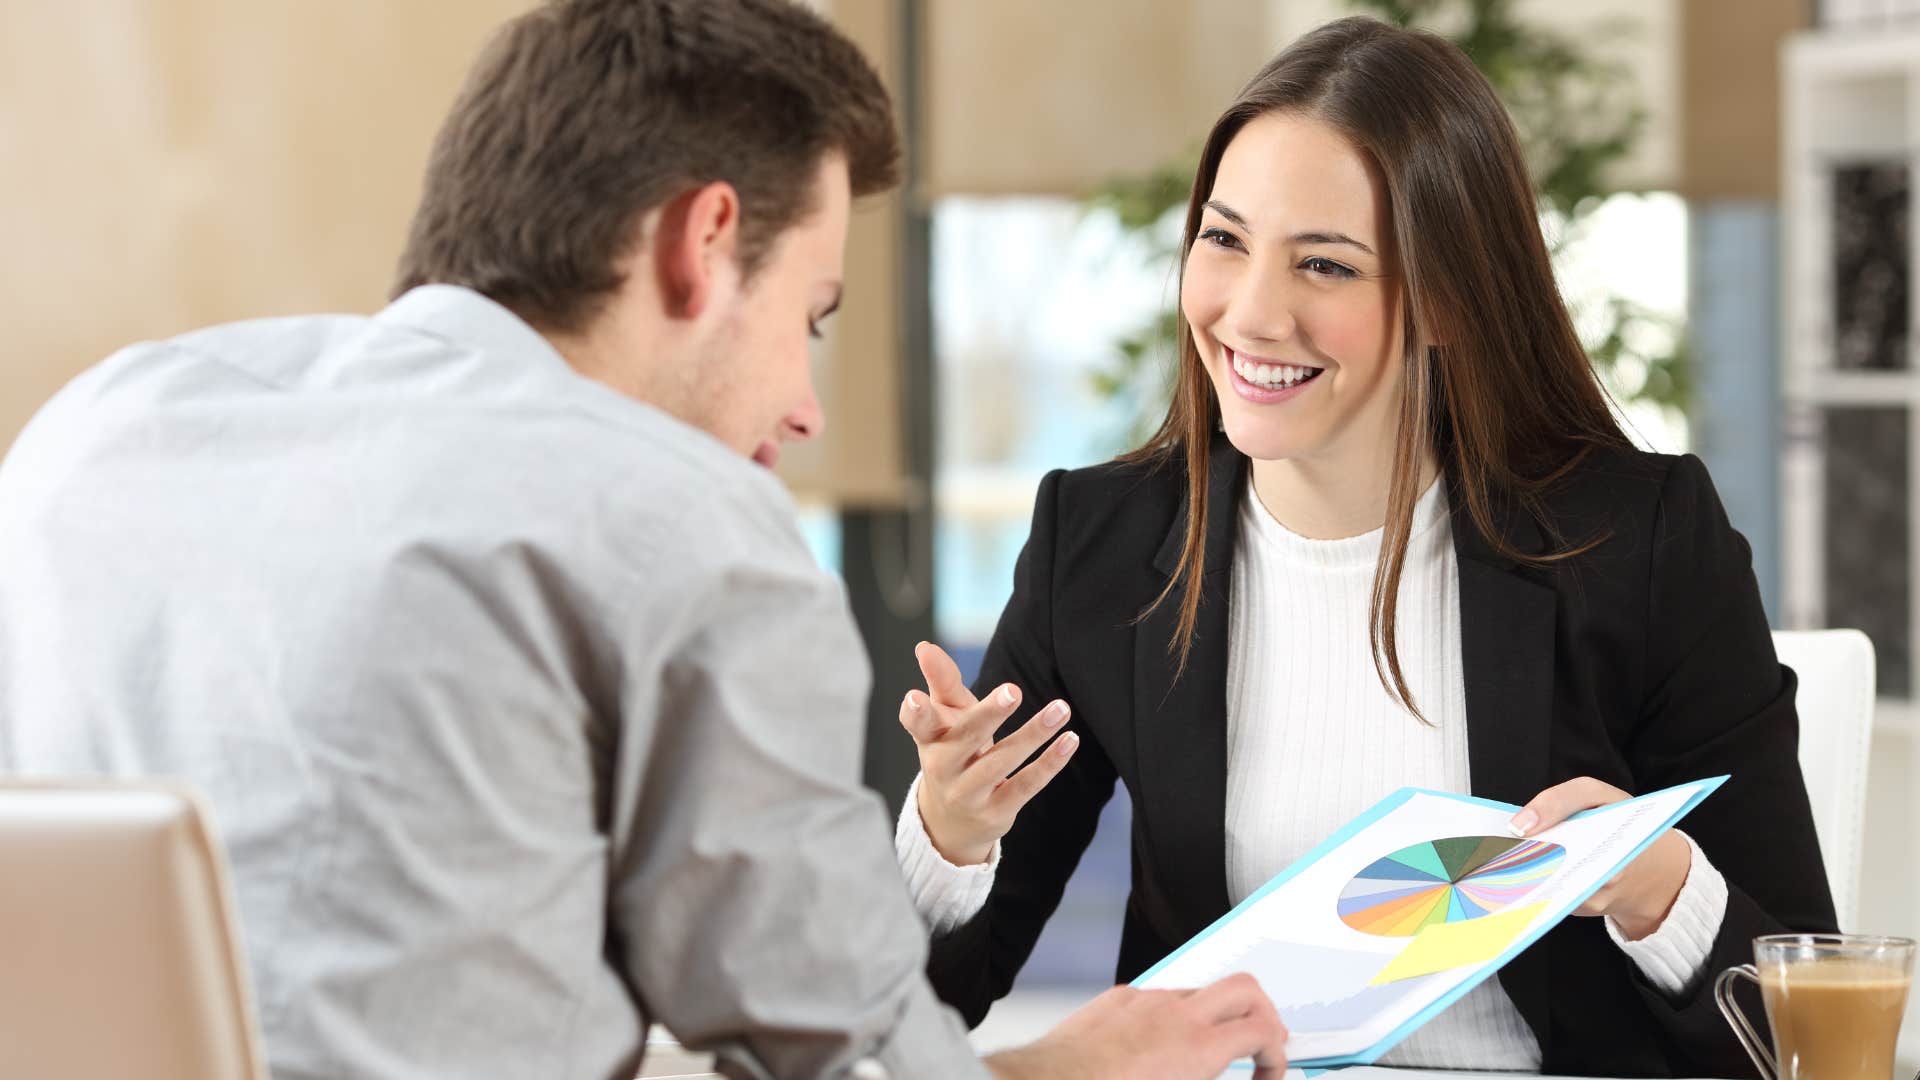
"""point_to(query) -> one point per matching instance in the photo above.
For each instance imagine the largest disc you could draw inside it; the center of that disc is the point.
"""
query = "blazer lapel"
(1507, 651)
(1180, 726)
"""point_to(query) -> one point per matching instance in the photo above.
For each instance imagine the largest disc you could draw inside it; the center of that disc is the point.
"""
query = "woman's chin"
(1261, 442)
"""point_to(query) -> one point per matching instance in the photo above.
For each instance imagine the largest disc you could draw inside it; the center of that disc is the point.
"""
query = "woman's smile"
(1262, 381)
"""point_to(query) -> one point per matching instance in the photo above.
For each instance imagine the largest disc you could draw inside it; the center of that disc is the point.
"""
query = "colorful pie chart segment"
(1446, 881)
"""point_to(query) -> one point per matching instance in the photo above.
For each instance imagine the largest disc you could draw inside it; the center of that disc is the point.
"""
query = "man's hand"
(1129, 1034)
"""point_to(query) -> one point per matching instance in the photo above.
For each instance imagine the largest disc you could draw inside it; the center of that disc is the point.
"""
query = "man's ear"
(695, 244)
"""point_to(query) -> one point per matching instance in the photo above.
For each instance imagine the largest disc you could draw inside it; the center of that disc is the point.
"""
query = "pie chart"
(1445, 881)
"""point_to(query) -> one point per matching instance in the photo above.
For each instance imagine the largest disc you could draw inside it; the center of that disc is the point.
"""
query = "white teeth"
(1271, 376)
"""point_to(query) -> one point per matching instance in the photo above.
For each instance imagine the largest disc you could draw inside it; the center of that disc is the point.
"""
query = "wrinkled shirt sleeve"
(755, 895)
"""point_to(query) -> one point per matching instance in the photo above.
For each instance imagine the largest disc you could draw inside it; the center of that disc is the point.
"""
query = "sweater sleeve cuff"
(1672, 957)
(946, 895)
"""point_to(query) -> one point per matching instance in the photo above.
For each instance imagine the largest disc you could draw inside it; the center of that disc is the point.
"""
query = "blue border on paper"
(1382, 809)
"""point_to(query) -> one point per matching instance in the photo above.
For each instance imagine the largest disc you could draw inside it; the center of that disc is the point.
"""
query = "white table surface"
(1374, 1072)
(666, 1061)
(1027, 1015)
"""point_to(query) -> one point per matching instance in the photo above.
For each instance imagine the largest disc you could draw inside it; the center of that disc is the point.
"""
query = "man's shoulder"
(493, 432)
(251, 349)
(677, 511)
(247, 342)
(722, 506)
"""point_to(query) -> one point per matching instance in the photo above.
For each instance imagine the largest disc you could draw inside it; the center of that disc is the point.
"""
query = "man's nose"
(805, 421)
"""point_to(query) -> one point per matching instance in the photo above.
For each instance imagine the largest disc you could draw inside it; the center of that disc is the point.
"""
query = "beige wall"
(1706, 70)
(1060, 96)
(173, 163)
(858, 369)
(1730, 84)
(169, 164)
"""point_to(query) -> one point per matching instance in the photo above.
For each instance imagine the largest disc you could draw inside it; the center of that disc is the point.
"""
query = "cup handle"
(1743, 1030)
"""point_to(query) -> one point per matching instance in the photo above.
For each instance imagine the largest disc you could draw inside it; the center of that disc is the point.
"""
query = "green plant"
(1140, 375)
(1577, 116)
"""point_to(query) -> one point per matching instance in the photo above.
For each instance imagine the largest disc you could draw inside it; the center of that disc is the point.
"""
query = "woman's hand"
(969, 789)
(1639, 897)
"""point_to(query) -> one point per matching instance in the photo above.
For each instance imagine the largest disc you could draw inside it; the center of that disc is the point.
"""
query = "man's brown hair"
(583, 115)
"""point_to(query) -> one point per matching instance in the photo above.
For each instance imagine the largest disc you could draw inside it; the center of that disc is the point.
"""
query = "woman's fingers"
(943, 676)
(974, 727)
(921, 719)
(952, 742)
(1020, 788)
(1008, 753)
(1562, 801)
(966, 733)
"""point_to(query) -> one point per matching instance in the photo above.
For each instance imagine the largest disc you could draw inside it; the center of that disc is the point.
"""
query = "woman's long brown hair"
(1508, 401)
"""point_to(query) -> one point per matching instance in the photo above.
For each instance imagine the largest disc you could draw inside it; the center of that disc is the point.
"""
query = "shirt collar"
(462, 316)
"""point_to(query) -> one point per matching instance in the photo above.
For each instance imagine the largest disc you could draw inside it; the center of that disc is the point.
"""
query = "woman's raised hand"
(971, 787)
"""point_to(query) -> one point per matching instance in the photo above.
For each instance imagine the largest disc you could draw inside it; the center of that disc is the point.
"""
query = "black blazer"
(1644, 662)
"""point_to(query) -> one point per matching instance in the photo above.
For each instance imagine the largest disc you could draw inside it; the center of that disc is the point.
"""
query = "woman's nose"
(1261, 308)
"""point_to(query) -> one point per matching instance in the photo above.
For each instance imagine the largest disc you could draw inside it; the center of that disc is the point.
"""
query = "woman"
(1389, 534)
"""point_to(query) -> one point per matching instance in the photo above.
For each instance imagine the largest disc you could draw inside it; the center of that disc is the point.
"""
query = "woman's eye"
(1326, 268)
(813, 330)
(1219, 237)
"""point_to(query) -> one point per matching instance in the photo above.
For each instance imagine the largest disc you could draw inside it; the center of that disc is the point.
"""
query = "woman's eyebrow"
(1314, 236)
(1227, 212)
(1329, 238)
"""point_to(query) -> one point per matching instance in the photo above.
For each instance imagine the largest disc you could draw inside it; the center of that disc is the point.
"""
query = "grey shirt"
(523, 709)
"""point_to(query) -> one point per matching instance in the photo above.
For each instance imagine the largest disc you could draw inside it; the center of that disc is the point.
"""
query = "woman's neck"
(1331, 500)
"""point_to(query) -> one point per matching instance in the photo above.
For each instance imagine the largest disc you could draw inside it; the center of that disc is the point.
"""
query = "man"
(525, 713)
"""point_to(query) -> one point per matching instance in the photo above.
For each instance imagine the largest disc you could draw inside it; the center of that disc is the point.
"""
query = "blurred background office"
(1728, 185)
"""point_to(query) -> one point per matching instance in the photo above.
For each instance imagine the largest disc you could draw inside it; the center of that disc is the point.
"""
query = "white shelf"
(1853, 54)
(1851, 97)
(1847, 96)
(1831, 387)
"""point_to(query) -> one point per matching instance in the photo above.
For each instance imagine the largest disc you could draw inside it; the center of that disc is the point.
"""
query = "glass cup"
(1834, 1002)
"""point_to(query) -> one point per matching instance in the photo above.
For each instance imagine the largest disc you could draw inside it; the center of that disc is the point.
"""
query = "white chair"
(1835, 704)
(121, 958)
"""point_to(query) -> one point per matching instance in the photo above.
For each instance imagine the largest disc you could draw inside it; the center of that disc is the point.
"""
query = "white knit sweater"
(1313, 740)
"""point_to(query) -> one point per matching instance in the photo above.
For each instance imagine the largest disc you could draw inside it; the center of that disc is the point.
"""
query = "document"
(1408, 907)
